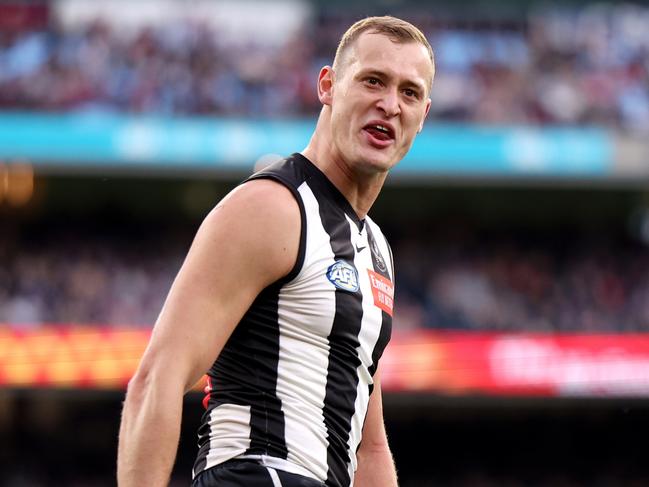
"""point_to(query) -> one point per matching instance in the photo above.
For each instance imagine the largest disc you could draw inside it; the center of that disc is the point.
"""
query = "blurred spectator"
(506, 285)
(86, 279)
(558, 66)
(500, 284)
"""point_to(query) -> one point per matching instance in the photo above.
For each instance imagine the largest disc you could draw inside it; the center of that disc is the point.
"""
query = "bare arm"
(247, 242)
(375, 464)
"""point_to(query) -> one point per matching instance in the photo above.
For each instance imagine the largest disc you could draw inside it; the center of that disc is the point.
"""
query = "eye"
(373, 81)
(410, 93)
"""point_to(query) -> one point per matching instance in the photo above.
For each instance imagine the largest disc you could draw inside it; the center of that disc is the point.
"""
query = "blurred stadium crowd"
(560, 65)
(587, 65)
(81, 278)
(497, 284)
(589, 286)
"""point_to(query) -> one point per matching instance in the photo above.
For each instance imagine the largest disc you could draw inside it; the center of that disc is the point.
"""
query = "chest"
(344, 292)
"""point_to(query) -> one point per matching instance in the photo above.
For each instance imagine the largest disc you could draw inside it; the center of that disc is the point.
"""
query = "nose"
(388, 103)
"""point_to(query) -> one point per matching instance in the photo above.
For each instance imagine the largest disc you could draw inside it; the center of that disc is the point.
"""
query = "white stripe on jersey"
(367, 338)
(227, 421)
(304, 353)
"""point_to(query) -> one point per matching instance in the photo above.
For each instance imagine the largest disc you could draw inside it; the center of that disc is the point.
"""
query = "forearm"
(149, 434)
(375, 468)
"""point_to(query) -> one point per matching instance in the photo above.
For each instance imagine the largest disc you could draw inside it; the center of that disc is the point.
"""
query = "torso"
(292, 384)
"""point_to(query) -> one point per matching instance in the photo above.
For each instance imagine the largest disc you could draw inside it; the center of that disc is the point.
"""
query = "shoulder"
(258, 222)
(257, 199)
(291, 171)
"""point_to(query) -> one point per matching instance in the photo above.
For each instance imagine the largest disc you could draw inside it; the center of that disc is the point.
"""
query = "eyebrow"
(408, 83)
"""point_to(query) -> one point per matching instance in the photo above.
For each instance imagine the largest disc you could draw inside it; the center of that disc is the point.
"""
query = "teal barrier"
(119, 140)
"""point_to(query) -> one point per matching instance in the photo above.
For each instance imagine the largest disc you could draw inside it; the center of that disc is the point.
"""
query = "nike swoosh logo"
(358, 249)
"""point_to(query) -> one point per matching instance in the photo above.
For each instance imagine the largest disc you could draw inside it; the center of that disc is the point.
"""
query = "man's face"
(379, 101)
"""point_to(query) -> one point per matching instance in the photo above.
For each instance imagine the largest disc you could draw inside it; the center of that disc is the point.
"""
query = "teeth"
(382, 128)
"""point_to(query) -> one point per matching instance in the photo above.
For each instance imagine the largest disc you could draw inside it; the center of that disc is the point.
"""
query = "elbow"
(373, 447)
(153, 384)
(138, 385)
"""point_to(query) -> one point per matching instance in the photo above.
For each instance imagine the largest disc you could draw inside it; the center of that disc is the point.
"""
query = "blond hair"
(396, 29)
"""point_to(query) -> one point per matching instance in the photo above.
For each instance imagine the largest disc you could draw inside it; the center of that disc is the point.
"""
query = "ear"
(326, 85)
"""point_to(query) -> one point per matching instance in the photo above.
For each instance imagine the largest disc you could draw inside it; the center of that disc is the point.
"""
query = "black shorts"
(250, 473)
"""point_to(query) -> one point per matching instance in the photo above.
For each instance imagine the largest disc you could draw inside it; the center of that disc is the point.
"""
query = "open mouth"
(379, 131)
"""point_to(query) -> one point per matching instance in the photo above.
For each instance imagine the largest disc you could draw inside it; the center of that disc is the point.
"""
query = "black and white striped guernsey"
(292, 384)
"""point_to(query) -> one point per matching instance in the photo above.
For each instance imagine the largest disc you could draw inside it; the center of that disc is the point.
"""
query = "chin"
(381, 162)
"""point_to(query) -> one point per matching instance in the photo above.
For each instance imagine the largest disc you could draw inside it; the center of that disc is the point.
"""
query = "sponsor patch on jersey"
(343, 275)
(383, 291)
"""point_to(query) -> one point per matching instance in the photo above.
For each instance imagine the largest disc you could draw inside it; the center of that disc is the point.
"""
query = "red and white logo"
(382, 290)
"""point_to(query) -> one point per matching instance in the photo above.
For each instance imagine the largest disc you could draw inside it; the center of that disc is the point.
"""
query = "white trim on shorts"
(280, 464)
(274, 477)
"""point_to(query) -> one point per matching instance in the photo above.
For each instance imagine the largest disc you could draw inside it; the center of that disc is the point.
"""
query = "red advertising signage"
(518, 364)
(70, 357)
(445, 363)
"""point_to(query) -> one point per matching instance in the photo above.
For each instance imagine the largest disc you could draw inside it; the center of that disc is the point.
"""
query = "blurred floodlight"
(19, 183)
(234, 22)
(137, 141)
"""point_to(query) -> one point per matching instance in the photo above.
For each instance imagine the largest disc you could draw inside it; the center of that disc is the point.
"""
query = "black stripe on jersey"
(267, 429)
(235, 382)
(247, 341)
(391, 259)
(342, 376)
(317, 179)
(386, 321)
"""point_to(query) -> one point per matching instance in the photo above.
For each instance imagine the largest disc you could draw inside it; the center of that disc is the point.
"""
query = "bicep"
(247, 242)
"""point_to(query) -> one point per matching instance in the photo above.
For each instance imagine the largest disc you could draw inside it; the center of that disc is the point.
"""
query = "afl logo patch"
(343, 275)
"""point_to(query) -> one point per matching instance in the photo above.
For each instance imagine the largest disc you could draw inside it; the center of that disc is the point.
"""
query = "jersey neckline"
(336, 194)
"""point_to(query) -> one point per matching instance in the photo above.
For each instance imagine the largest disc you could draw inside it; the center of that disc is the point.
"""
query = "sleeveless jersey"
(292, 384)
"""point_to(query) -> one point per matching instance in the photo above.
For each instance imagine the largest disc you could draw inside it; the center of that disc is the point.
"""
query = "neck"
(359, 188)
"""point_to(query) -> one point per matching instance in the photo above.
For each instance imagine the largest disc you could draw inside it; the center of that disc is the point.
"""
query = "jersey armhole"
(299, 261)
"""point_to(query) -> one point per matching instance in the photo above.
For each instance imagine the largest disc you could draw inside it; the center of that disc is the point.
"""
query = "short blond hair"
(397, 30)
